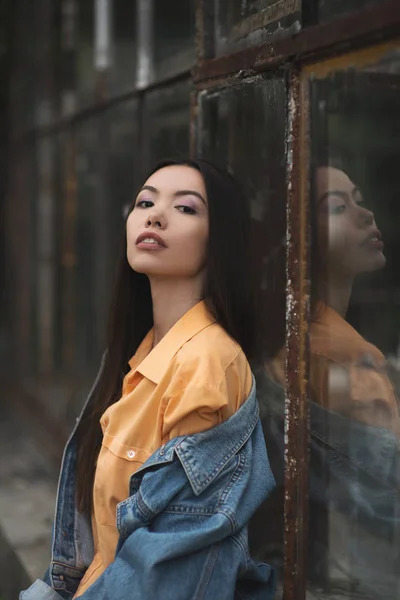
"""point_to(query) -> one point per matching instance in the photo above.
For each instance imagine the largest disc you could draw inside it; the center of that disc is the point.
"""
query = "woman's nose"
(366, 216)
(155, 220)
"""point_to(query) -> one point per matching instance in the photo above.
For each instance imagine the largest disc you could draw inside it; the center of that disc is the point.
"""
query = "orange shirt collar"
(154, 365)
(328, 317)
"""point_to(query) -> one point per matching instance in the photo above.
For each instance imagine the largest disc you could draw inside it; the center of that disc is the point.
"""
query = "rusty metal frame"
(205, 46)
(366, 26)
(297, 315)
(263, 18)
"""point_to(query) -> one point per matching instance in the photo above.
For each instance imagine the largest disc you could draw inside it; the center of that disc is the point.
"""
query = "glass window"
(166, 124)
(81, 22)
(174, 35)
(243, 23)
(331, 9)
(243, 127)
(123, 168)
(123, 64)
(354, 332)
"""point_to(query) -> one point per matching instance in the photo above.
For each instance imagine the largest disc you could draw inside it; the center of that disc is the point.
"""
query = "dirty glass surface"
(354, 332)
(243, 128)
(243, 23)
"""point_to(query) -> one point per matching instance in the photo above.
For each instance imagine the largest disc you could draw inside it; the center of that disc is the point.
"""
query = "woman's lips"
(375, 243)
(150, 241)
(374, 240)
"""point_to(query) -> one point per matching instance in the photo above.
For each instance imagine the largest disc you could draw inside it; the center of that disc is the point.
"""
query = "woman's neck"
(337, 294)
(171, 300)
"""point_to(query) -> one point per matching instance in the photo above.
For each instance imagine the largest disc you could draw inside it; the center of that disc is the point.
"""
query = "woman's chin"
(376, 263)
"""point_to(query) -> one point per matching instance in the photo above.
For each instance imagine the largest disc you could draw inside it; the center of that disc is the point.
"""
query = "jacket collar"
(154, 365)
(200, 454)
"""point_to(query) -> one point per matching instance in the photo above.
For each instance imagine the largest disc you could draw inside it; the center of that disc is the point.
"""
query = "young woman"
(168, 461)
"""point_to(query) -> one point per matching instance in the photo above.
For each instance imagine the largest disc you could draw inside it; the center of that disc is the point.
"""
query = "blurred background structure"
(92, 93)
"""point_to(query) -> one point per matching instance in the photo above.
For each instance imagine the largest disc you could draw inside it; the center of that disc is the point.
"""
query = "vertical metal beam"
(18, 215)
(45, 279)
(145, 43)
(69, 28)
(297, 308)
(68, 251)
(205, 30)
(101, 266)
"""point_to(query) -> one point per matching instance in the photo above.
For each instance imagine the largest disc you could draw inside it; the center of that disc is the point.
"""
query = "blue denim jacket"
(183, 528)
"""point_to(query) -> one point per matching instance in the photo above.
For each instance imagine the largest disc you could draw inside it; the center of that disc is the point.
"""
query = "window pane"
(331, 9)
(123, 63)
(167, 114)
(244, 127)
(123, 168)
(86, 75)
(354, 334)
(243, 23)
(106, 181)
(174, 34)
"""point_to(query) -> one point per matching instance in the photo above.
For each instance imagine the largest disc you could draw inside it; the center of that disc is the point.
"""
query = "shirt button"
(131, 454)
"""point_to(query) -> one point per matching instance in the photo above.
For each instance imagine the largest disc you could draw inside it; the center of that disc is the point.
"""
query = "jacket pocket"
(116, 464)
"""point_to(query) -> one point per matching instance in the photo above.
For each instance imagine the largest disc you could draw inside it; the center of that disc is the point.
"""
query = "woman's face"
(167, 230)
(347, 231)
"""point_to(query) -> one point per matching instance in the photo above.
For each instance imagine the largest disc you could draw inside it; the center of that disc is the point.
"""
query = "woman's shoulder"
(212, 349)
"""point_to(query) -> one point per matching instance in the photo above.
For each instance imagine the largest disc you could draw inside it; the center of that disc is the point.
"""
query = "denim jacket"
(183, 528)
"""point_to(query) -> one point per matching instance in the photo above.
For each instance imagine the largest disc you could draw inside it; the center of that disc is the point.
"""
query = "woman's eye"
(144, 204)
(187, 210)
(337, 210)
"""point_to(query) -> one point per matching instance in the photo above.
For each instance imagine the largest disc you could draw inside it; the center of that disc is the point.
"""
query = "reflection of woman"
(347, 374)
(171, 461)
(354, 466)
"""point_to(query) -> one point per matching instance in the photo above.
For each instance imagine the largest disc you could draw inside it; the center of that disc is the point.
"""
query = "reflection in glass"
(354, 334)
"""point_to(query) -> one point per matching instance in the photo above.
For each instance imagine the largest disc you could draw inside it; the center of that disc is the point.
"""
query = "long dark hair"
(229, 295)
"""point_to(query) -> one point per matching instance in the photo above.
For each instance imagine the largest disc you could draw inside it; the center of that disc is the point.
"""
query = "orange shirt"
(347, 373)
(195, 378)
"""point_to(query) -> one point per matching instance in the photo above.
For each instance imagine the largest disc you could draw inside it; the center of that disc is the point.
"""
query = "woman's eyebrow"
(189, 193)
(150, 188)
(177, 194)
(339, 193)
